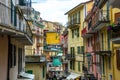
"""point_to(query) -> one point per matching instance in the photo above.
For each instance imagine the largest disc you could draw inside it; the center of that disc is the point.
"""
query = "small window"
(118, 59)
(77, 32)
(78, 49)
(79, 66)
(72, 33)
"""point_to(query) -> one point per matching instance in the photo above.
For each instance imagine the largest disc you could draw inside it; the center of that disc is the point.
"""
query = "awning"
(56, 62)
(73, 76)
(27, 75)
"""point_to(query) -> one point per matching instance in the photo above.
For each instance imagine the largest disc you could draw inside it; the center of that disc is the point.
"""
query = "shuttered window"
(118, 59)
(78, 65)
(78, 49)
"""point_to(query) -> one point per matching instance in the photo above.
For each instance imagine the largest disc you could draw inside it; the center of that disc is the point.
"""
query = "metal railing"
(8, 20)
(99, 16)
(5, 15)
(73, 22)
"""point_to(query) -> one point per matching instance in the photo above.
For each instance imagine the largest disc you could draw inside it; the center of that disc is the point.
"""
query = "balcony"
(9, 26)
(69, 56)
(25, 5)
(35, 59)
(100, 19)
(85, 33)
(100, 3)
(73, 23)
(103, 53)
(115, 3)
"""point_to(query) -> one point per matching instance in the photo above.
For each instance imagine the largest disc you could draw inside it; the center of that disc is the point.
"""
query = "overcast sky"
(54, 10)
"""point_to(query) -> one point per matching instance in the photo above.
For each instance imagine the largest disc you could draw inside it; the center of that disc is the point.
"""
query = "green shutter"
(73, 65)
(73, 52)
(11, 12)
(78, 49)
(15, 16)
(108, 33)
(78, 65)
(82, 49)
(70, 64)
(43, 71)
(77, 32)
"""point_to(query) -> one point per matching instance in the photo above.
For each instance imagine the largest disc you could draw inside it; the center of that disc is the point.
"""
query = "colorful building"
(53, 48)
(15, 33)
(76, 18)
(99, 41)
(115, 15)
(34, 56)
(65, 57)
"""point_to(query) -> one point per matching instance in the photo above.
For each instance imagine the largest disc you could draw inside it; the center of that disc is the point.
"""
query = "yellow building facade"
(105, 40)
(76, 18)
(35, 58)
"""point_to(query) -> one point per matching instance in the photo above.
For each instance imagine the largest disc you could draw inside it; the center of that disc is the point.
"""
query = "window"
(109, 62)
(78, 17)
(82, 49)
(72, 33)
(110, 77)
(70, 64)
(43, 71)
(14, 54)
(102, 41)
(77, 32)
(78, 49)
(73, 64)
(19, 60)
(71, 51)
(103, 69)
(88, 42)
(118, 59)
(79, 66)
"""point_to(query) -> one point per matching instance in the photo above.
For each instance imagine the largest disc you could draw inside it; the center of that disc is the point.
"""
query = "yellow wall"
(116, 72)
(113, 70)
(78, 41)
(37, 70)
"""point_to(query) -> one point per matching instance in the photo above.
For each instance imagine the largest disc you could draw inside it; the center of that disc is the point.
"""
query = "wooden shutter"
(118, 59)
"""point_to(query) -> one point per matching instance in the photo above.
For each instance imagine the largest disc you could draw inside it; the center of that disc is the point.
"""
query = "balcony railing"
(115, 3)
(99, 19)
(74, 22)
(25, 3)
(70, 56)
(9, 20)
(5, 15)
(35, 59)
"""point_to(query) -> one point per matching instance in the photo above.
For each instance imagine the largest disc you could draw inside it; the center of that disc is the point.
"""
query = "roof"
(79, 5)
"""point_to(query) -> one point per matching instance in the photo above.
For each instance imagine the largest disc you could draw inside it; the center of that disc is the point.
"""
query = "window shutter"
(118, 59)
(78, 49)
(14, 55)
(15, 16)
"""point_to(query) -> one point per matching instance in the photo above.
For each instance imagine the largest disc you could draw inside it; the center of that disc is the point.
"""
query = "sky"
(54, 10)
